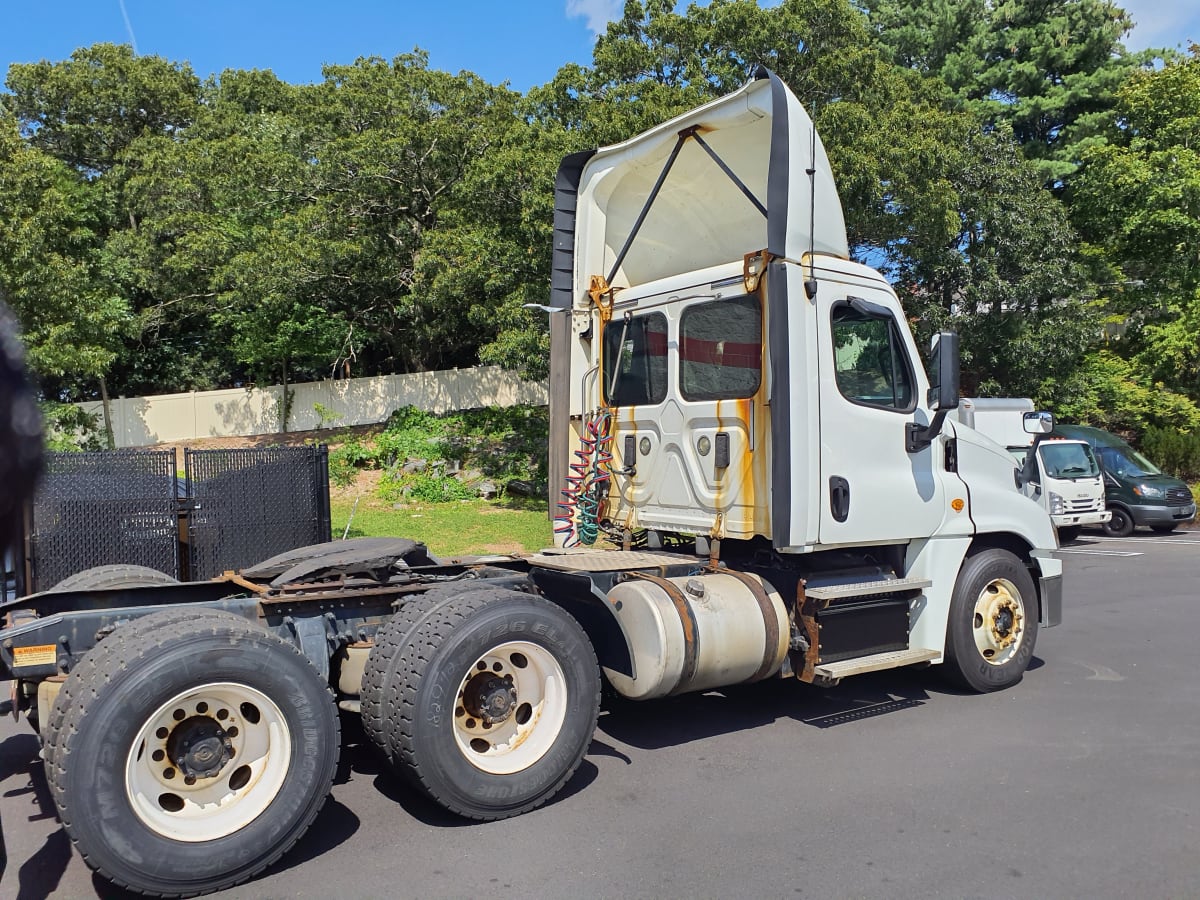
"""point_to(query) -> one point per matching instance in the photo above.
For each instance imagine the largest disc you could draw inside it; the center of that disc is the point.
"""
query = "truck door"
(685, 383)
(872, 490)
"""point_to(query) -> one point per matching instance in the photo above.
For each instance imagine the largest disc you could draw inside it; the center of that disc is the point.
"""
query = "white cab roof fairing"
(701, 217)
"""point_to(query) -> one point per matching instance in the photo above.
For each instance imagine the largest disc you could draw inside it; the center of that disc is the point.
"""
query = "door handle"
(839, 498)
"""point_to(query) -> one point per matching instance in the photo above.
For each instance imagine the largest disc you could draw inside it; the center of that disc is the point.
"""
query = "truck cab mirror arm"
(917, 437)
(943, 396)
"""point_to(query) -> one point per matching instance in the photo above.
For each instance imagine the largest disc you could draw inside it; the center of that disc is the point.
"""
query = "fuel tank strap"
(770, 622)
(687, 618)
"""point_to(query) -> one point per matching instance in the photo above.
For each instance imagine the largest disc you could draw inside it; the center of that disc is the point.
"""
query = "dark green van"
(1135, 489)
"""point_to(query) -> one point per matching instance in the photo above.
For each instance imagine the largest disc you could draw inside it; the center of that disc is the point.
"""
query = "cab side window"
(871, 365)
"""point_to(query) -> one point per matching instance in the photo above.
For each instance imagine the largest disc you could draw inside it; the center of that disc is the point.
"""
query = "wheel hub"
(490, 698)
(1003, 621)
(199, 747)
(998, 621)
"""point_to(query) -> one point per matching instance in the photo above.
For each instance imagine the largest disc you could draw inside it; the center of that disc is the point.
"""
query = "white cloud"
(597, 12)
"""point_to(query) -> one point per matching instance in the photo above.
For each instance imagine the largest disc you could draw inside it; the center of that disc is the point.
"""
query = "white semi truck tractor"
(754, 479)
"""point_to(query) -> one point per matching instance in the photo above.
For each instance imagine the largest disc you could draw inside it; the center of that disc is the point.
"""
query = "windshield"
(1126, 461)
(1068, 460)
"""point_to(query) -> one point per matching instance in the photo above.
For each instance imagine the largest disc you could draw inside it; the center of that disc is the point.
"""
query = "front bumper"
(1050, 587)
(1162, 515)
(1051, 590)
(1088, 518)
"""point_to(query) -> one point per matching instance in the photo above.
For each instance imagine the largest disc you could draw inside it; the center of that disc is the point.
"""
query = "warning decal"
(41, 655)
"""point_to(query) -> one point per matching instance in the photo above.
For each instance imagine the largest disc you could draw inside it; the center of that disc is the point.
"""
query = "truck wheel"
(194, 755)
(993, 622)
(1068, 533)
(493, 703)
(113, 576)
(77, 682)
(390, 640)
(1120, 525)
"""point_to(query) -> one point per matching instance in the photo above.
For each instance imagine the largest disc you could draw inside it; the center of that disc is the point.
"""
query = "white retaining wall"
(139, 421)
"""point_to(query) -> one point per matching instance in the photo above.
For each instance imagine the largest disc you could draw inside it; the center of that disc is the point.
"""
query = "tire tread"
(124, 649)
(395, 634)
(113, 576)
(957, 671)
(411, 665)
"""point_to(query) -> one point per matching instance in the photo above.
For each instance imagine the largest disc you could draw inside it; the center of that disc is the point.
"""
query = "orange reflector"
(957, 505)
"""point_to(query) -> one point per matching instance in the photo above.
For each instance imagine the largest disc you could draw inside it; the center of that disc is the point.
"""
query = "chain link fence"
(248, 505)
(93, 509)
(231, 509)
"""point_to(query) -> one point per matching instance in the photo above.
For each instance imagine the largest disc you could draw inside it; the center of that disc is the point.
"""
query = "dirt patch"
(508, 547)
(365, 485)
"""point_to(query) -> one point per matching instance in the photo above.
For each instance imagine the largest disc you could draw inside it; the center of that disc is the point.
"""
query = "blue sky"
(523, 42)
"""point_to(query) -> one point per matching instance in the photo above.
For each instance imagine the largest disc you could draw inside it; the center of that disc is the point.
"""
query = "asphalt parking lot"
(1083, 781)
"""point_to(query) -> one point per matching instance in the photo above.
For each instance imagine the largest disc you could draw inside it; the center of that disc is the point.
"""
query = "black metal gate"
(93, 509)
(247, 505)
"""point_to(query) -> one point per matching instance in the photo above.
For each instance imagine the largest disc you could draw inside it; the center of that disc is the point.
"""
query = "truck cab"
(726, 379)
(1065, 478)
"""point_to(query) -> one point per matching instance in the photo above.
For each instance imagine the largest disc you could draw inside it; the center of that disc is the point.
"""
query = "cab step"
(876, 662)
(867, 588)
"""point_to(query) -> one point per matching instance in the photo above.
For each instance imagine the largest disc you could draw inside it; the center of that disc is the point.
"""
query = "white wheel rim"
(998, 622)
(502, 730)
(235, 743)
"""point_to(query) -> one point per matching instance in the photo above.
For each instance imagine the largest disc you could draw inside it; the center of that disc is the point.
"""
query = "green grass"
(451, 529)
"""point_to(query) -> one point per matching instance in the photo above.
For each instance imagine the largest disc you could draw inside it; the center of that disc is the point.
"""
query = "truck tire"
(493, 703)
(1068, 533)
(993, 622)
(193, 754)
(78, 682)
(390, 641)
(1121, 523)
(113, 577)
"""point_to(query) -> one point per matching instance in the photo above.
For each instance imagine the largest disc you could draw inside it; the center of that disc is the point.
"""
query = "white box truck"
(1060, 474)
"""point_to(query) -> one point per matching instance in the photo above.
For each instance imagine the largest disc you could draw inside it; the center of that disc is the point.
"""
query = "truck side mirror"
(944, 370)
(1038, 422)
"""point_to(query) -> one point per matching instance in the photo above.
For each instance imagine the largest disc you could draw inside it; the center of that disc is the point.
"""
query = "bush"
(1112, 393)
(422, 487)
(499, 444)
(502, 443)
(1176, 452)
(410, 433)
(69, 428)
(347, 459)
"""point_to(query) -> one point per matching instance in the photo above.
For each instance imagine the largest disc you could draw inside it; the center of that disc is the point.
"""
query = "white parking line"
(1145, 540)
(1101, 552)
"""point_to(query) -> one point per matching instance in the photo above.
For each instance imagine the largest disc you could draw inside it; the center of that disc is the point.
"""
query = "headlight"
(1149, 491)
(1056, 504)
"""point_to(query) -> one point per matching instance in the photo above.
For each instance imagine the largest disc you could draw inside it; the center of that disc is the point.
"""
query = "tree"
(87, 110)
(394, 144)
(84, 115)
(1010, 280)
(1137, 203)
(49, 264)
(1049, 69)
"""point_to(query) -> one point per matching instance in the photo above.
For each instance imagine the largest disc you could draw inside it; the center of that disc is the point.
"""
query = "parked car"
(1137, 492)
